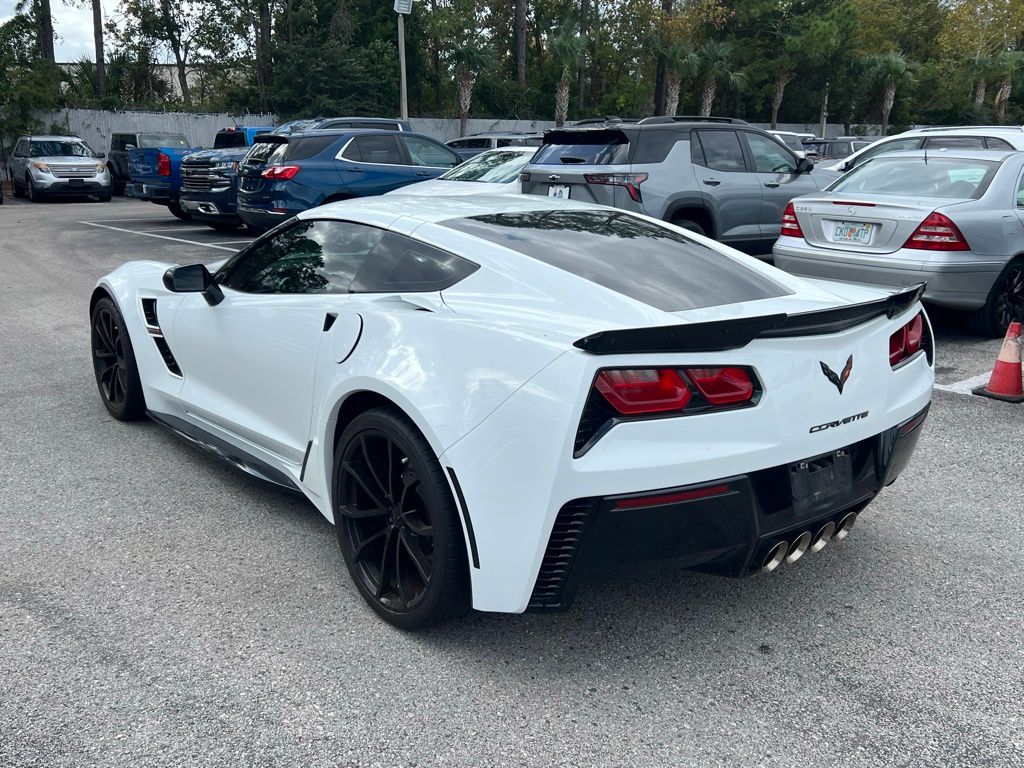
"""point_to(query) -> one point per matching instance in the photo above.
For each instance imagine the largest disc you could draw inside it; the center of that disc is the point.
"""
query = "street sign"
(403, 6)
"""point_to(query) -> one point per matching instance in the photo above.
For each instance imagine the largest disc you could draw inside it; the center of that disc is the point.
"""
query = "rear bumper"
(960, 281)
(725, 526)
(261, 218)
(153, 193)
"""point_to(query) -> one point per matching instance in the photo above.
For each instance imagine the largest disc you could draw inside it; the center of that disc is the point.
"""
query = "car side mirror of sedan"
(803, 165)
(194, 278)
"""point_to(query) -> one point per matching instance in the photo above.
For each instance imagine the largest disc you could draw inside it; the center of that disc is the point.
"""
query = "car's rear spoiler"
(720, 335)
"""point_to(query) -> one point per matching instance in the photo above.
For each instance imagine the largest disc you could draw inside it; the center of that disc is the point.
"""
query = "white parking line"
(178, 229)
(158, 237)
(138, 219)
(964, 387)
(232, 242)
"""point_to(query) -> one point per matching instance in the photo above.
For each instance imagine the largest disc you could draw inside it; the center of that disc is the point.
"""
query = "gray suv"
(57, 166)
(715, 176)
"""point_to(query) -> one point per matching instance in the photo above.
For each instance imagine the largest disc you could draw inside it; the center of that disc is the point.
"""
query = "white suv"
(57, 166)
(1002, 137)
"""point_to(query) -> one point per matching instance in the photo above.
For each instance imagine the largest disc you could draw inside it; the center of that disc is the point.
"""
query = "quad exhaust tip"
(845, 526)
(798, 547)
(823, 537)
(775, 557)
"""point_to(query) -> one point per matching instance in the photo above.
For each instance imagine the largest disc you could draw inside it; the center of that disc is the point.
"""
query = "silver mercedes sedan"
(952, 219)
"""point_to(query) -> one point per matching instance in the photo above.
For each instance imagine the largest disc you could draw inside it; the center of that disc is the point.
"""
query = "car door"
(776, 169)
(249, 363)
(374, 163)
(1019, 203)
(729, 188)
(430, 158)
(18, 163)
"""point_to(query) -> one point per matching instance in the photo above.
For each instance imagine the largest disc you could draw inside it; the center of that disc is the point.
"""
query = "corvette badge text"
(841, 422)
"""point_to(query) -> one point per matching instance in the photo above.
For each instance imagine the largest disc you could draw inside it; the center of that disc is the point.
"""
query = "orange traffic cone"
(1005, 383)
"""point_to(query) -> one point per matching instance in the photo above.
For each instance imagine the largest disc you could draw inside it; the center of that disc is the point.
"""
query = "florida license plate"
(558, 190)
(845, 232)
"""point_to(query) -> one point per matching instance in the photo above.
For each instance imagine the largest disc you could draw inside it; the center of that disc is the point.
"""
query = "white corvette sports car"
(493, 397)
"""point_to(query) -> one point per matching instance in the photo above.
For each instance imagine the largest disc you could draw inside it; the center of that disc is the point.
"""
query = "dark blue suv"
(284, 175)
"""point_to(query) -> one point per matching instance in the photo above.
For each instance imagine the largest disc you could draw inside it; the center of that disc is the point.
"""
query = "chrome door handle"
(712, 182)
(423, 173)
(771, 184)
(354, 170)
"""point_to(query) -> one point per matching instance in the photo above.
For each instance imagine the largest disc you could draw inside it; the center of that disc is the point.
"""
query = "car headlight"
(232, 166)
(100, 167)
(41, 167)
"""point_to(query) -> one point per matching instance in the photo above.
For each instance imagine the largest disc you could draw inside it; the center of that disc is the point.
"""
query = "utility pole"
(824, 113)
(402, 7)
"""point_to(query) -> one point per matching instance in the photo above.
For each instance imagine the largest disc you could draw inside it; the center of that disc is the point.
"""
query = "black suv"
(715, 176)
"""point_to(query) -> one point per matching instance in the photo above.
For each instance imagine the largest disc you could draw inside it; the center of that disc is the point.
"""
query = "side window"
(400, 263)
(769, 156)
(380, 149)
(1020, 193)
(897, 145)
(460, 144)
(721, 150)
(117, 142)
(955, 142)
(308, 146)
(427, 153)
(507, 142)
(308, 257)
(20, 150)
(993, 143)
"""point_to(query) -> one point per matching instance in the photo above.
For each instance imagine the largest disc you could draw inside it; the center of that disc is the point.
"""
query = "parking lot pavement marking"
(137, 219)
(159, 237)
(234, 242)
(176, 229)
(964, 387)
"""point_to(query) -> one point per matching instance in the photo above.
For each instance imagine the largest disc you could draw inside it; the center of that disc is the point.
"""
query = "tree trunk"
(45, 30)
(888, 98)
(97, 36)
(707, 96)
(464, 82)
(584, 17)
(520, 34)
(186, 94)
(672, 93)
(661, 74)
(561, 101)
(264, 71)
(823, 127)
(435, 57)
(780, 90)
(979, 93)
(1002, 97)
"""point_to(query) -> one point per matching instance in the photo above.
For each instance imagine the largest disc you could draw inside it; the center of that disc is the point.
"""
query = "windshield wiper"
(570, 159)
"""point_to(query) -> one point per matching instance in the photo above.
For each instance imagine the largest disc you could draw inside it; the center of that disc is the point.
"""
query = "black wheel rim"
(108, 357)
(388, 530)
(1010, 302)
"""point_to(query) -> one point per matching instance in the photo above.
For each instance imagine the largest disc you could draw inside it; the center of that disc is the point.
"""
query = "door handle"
(712, 182)
(423, 173)
(354, 170)
(771, 184)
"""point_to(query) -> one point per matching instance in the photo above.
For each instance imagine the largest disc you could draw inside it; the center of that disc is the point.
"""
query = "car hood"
(217, 155)
(446, 187)
(65, 160)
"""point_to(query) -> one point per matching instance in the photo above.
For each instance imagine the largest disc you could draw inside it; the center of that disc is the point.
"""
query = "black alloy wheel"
(113, 360)
(397, 524)
(1004, 305)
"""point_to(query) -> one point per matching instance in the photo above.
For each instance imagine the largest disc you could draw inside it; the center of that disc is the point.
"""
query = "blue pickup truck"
(156, 172)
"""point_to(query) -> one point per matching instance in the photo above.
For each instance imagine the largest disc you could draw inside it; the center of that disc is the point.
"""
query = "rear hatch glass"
(639, 259)
(263, 153)
(583, 148)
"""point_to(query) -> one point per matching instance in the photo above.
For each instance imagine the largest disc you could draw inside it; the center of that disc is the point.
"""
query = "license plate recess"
(818, 482)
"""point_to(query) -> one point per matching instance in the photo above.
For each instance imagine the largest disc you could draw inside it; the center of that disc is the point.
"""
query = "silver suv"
(57, 166)
(715, 176)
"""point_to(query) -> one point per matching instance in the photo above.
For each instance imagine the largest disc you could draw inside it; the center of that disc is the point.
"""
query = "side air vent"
(153, 326)
(549, 591)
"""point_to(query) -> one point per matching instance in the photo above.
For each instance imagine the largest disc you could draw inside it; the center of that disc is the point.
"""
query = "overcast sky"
(72, 24)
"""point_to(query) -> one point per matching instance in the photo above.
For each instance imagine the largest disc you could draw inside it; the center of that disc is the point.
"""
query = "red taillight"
(280, 172)
(656, 500)
(163, 164)
(723, 386)
(631, 181)
(937, 233)
(907, 341)
(643, 390)
(790, 225)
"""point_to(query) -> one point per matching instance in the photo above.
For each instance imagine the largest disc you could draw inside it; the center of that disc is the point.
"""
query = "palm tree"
(715, 67)
(981, 69)
(566, 46)
(97, 36)
(1006, 64)
(681, 62)
(469, 57)
(889, 72)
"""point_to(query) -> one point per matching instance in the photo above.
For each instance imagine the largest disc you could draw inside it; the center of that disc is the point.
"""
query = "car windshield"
(624, 253)
(790, 140)
(920, 176)
(262, 150)
(497, 167)
(156, 140)
(55, 148)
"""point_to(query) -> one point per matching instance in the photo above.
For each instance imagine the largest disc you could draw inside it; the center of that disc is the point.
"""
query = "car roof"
(341, 132)
(991, 155)
(964, 130)
(47, 137)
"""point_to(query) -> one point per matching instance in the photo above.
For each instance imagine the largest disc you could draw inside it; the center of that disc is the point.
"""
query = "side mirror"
(847, 165)
(129, 146)
(803, 165)
(194, 278)
(100, 155)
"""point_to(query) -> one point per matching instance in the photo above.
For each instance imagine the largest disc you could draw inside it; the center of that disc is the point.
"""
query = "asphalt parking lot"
(160, 608)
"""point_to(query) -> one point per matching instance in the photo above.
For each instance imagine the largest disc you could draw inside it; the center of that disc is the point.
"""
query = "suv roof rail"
(936, 129)
(668, 119)
(606, 119)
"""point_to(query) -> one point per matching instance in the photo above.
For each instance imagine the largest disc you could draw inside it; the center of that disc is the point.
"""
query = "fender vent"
(153, 326)
(556, 567)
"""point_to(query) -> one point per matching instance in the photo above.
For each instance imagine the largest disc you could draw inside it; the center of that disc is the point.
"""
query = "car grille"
(73, 171)
(566, 535)
(199, 178)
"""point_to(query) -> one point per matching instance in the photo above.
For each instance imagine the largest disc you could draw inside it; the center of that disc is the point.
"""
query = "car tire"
(397, 523)
(16, 189)
(179, 212)
(105, 198)
(117, 185)
(691, 226)
(114, 366)
(1004, 304)
(31, 192)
